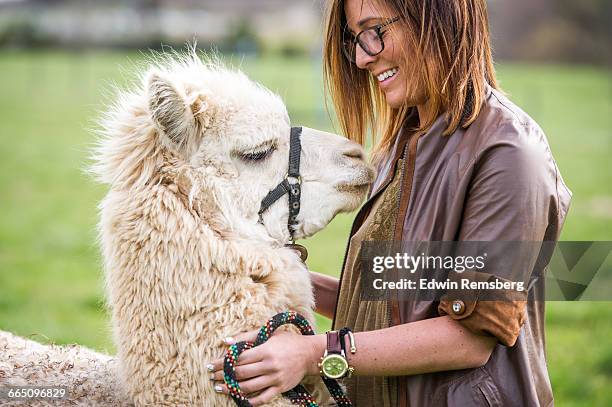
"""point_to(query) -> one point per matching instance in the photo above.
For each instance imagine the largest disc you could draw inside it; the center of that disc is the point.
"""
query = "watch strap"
(333, 343)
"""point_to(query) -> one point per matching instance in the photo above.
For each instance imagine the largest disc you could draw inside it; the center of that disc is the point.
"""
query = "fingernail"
(219, 388)
(212, 377)
(229, 340)
(210, 367)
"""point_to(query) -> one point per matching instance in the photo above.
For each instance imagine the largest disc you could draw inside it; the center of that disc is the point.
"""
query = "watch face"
(334, 366)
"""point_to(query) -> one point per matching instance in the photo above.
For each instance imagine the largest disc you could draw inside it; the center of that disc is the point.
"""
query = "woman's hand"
(272, 367)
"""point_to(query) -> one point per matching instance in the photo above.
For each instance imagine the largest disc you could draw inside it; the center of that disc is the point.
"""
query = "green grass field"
(50, 269)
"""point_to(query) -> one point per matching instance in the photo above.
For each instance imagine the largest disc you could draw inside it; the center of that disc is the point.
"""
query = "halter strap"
(295, 150)
(292, 184)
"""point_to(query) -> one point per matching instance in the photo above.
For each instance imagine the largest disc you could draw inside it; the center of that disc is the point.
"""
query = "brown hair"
(450, 38)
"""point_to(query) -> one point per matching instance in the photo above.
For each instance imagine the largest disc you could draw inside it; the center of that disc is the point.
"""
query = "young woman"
(457, 161)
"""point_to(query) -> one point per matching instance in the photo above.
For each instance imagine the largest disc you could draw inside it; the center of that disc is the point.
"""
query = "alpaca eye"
(257, 155)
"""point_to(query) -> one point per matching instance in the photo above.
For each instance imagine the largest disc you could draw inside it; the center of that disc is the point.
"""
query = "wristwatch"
(334, 364)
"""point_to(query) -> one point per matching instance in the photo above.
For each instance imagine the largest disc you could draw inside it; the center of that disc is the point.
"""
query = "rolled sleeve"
(501, 318)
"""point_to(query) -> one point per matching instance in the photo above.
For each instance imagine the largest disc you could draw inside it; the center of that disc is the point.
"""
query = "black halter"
(292, 184)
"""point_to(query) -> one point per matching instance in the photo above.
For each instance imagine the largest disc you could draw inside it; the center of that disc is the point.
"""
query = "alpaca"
(188, 155)
(90, 379)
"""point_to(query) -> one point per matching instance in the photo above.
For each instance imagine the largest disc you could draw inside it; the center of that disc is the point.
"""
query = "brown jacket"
(494, 181)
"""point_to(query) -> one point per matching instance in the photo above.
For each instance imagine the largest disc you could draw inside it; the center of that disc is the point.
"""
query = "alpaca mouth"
(359, 184)
(354, 188)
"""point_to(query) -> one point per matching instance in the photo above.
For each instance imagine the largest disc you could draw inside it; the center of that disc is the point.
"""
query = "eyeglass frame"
(355, 40)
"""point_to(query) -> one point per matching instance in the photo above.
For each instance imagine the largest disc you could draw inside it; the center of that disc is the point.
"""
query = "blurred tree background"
(60, 59)
(528, 30)
(552, 30)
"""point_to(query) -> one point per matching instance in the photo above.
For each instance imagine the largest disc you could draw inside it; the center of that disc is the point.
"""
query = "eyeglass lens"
(369, 40)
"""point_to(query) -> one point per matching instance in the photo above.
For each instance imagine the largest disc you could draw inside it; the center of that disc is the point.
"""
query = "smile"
(386, 75)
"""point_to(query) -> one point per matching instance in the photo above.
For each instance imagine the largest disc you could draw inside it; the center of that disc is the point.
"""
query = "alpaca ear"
(171, 111)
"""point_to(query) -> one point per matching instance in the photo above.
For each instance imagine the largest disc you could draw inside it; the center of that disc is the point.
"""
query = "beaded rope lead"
(298, 395)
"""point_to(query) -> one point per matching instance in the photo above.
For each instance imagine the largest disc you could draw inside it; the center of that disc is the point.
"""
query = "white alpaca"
(89, 378)
(189, 155)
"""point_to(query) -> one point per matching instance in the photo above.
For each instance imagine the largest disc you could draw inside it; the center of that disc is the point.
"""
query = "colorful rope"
(298, 395)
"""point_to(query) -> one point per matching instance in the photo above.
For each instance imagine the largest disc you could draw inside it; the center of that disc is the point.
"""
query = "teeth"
(386, 74)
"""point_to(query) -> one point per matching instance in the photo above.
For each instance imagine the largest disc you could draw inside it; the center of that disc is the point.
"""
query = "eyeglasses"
(370, 40)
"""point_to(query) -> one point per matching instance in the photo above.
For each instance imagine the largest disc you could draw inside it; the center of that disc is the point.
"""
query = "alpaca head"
(226, 140)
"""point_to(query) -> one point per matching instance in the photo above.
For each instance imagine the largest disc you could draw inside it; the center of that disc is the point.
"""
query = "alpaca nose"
(354, 151)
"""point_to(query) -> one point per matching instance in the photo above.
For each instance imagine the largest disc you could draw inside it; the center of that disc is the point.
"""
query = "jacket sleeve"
(511, 196)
